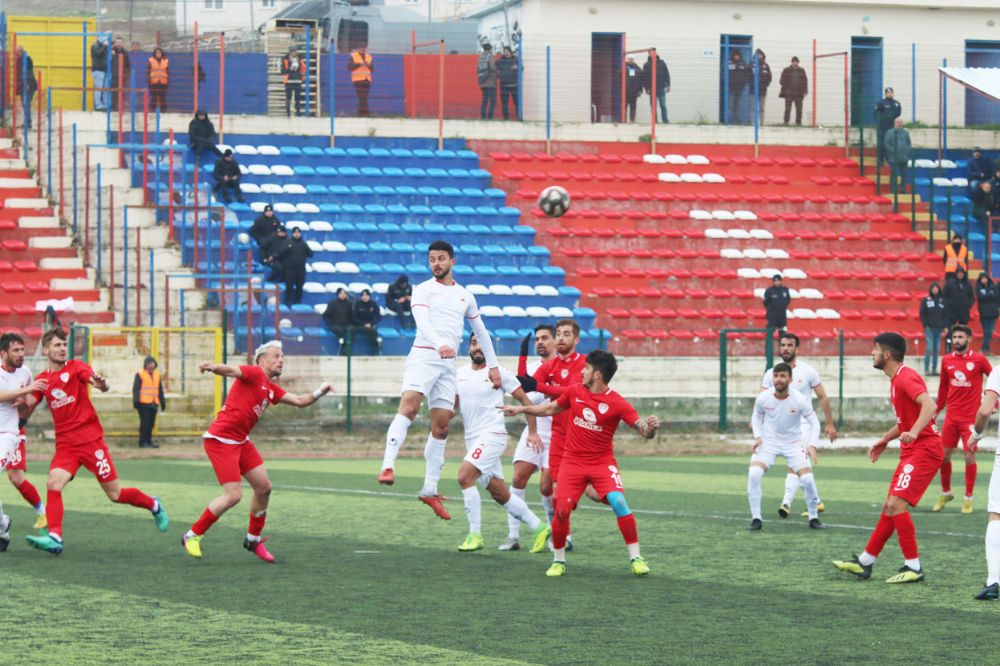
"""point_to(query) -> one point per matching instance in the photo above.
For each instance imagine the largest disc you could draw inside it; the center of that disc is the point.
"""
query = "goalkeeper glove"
(528, 383)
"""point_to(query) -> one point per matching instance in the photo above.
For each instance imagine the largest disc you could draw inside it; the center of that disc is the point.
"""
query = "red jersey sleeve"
(546, 389)
(566, 399)
(912, 385)
(627, 413)
(84, 371)
(944, 382)
(278, 392)
(987, 368)
(251, 373)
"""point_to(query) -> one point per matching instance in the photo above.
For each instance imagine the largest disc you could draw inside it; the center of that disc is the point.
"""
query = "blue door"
(735, 106)
(866, 79)
(981, 110)
(606, 61)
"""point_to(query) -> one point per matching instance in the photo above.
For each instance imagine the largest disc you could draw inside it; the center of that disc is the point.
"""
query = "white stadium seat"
(347, 267)
(713, 177)
(259, 169)
(258, 206)
(653, 159)
(243, 170)
(514, 311)
(332, 287)
(723, 215)
(500, 290)
(268, 150)
(490, 311)
(358, 287)
(669, 177)
(804, 313)
(320, 226)
(675, 159)
(715, 233)
(314, 246)
(754, 253)
(748, 273)
(689, 177)
(776, 253)
(323, 267)
(811, 294)
(477, 289)
(307, 208)
(793, 273)
(762, 234)
(700, 215)
(827, 313)
(313, 288)
(537, 311)
(731, 253)
(282, 170)
(546, 290)
(334, 246)
(523, 290)
(561, 312)
(320, 308)
(271, 188)
(745, 215)
(249, 188)
(769, 272)
(244, 149)
(759, 292)
(738, 234)
(294, 188)
(697, 159)
(381, 288)
(299, 224)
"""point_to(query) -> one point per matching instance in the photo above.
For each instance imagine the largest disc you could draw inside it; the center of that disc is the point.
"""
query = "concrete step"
(47, 263)
(19, 183)
(29, 222)
(49, 242)
(71, 284)
(12, 163)
(28, 204)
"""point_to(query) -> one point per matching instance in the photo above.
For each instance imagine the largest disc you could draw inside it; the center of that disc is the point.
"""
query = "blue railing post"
(308, 43)
(48, 161)
(756, 103)
(26, 120)
(725, 80)
(156, 179)
(548, 96)
(913, 81)
(100, 224)
(83, 77)
(75, 235)
(124, 265)
(520, 78)
(333, 96)
(152, 289)
(944, 112)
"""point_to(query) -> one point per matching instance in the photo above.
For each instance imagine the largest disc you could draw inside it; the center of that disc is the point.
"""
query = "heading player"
(990, 591)
(65, 385)
(805, 380)
(778, 415)
(485, 441)
(228, 446)
(440, 309)
(594, 413)
(920, 455)
(960, 389)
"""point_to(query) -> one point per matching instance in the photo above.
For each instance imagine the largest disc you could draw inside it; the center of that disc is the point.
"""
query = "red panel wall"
(461, 87)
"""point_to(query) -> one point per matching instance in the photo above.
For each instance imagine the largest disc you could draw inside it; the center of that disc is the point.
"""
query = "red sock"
(29, 493)
(970, 478)
(628, 528)
(560, 530)
(136, 497)
(256, 524)
(883, 530)
(54, 510)
(907, 534)
(206, 520)
(946, 477)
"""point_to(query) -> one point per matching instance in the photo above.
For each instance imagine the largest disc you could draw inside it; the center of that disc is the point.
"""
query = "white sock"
(791, 487)
(40, 509)
(517, 508)
(549, 506)
(156, 506)
(513, 524)
(394, 439)
(993, 552)
(866, 559)
(913, 564)
(433, 464)
(633, 550)
(189, 534)
(559, 554)
(812, 497)
(253, 538)
(753, 490)
(473, 509)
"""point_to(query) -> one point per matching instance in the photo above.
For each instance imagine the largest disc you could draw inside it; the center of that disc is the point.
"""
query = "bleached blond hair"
(270, 344)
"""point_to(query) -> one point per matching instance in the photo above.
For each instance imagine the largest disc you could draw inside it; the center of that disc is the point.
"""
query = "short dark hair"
(7, 339)
(789, 336)
(572, 324)
(546, 327)
(894, 343)
(56, 332)
(604, 363)
(962, 328)
(443, 246)
(782, 367)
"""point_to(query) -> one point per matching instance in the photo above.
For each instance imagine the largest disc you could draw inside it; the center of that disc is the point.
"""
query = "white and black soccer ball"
(554, 201)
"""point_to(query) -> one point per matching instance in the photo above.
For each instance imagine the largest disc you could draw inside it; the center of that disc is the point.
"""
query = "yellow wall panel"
(62, 60)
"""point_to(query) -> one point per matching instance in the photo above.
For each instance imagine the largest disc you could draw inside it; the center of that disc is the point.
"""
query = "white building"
(225, 15)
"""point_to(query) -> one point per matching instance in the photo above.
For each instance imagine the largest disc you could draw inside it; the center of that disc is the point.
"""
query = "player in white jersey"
(15, 384)
(806, 381)
(777, 418)
(526, 458)
(485, 442)
(440, 309)
(991, 591)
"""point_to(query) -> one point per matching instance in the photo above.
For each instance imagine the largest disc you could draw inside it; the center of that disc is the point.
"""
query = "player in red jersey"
(11, 369)
(593, 412)
(920, 458)
(227, 443)
(79, 439)
(961, 388)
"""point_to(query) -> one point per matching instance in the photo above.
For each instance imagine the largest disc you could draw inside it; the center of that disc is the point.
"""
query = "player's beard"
(879, 363)
(443, 276)
(788, 357)
(478, 358)
(541, 351)
(959, 349)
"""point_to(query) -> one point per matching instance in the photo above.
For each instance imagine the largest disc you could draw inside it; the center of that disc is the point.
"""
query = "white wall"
(687, 35)
(234, 15)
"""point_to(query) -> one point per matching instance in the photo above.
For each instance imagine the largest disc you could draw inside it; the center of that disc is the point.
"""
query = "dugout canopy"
(983, 80)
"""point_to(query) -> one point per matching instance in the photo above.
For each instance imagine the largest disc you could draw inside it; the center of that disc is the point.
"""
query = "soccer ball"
(554, 201)
(244, 239)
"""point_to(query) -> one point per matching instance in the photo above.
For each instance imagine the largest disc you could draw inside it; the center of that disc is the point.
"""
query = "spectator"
(227, 177)
(148, 399)
(958, 299)
(988, 299)
(934, 319)
(955, 256)
(486, 74)
(25, 84)
(995, 180)
(159, 78)
(633, 86)
(983, 202)
(337, 316)
(764, 78)
(293, 255)
(777, 298)
(119, 61)
(980, 168)
(361, 76)
(397, 299)
(794, 87)
(365, 317)
(293, 70)
(270, 251)
(201, 136)
(886, 112)
(897, 154)
(507, 73)
(264, 226)
(739, 79)
(99, 72)
(662, 83)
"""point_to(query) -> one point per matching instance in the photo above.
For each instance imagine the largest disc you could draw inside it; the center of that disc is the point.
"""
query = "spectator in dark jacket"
(988, 299)
(119, 54)
(740, 76)
(662, 83)
(365, 317)
(486, 75)
(897, 154)
(886, 111)
(270, 255)
(983, 202)
(934, 319)
(633, 86)
(337, 316)
(777, 298)
(764, 78)
(227, 177)
(958, 299)
(293, 256)
(980, 168)
(508, 69)
(995, 180)
(99, 72)
(201, 136)
(25, 83)
(397, 299)
(264, 225)
(794, 87)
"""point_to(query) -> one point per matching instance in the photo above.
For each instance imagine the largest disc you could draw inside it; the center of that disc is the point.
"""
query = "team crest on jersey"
(270, 396)
(64, 377)
(58, 394)
(613, 469)
(564, 374)
(792, 410)
(588, 414)
(970, 366)
(907, 468)
(99, 454)
(602, 408)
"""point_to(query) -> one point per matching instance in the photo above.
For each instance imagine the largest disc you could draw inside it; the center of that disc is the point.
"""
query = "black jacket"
(224, 168)
(932, 312)
(886, 112)
(958, 298)
(116, 55)
(201, 130)
(270, 247)
(764, 77)
(662, 75)
(396, 291)
(19, 71)
(365, 313)
(507, 71)
(776, 302)
(740, 75)
(293, 254)
(981, 168)
(633, 80)
(988, 297)
(98, 57)
(338, 313)
(263, 228)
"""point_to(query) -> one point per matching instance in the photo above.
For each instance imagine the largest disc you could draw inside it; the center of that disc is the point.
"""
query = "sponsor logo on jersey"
(64, 377)
(588, 414)
(960, 379)
(586, 425)
(602, 408)
(58, 394)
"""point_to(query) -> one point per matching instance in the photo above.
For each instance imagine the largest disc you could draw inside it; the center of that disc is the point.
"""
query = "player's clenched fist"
(205, 366)
(494, 375)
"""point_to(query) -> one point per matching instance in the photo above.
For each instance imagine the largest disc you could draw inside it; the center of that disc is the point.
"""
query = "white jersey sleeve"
(12, 381)
(993, 384)
(767, 381)
(509, 381)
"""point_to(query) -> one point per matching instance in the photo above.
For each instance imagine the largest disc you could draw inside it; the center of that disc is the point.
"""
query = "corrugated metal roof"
(983, 80)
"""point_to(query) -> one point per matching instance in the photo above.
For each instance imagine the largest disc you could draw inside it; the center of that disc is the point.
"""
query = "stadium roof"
(983, 80)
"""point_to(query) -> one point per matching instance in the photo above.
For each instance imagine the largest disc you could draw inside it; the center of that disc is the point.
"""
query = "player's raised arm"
(545, 409)
(647, 427)
(533, 439)
(37, 386)
(306, 399)
(99, 382)
(983, 415)
(221, 370)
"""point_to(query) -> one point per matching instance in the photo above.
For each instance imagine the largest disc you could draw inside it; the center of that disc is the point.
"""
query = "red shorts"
(231, 461)
(915, 471)
(574, 476)
(20, 460)
(93, 455)
(954, 432)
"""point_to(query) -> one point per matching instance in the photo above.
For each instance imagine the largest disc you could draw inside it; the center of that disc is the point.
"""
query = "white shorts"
(8, 448)
(994, 502)
(524, 452)
(427, 373)
(484, 454)
(794, 455)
